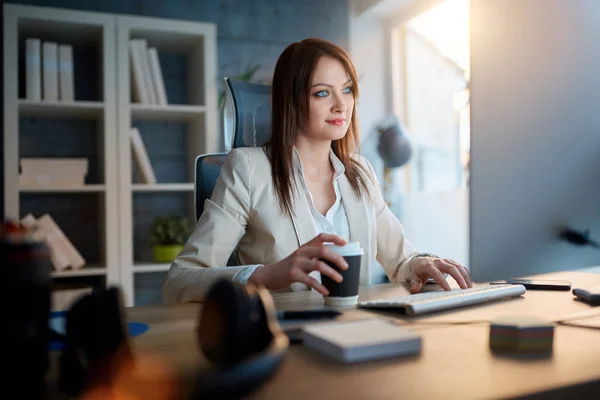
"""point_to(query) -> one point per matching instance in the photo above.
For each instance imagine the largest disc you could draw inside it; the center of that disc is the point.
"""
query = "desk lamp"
(394, 148)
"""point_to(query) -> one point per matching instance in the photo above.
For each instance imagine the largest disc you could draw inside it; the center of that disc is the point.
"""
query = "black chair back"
(208, 168)
(251, 112)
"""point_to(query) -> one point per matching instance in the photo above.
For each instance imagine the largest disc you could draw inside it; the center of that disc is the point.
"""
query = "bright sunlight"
(447, 27)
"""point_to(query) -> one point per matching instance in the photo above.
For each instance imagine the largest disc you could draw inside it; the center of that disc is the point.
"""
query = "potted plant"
(168, 236)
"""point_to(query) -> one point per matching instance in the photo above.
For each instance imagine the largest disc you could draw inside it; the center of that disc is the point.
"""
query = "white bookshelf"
(58, 109)
(113, 113)
(197, 41)
(65, 189)
(163, 187)
(151, 112)
(77, 28)
(85, 271)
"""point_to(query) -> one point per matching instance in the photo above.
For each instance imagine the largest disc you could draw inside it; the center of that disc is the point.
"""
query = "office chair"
(247, 113)
(207, 170)
(247, 123)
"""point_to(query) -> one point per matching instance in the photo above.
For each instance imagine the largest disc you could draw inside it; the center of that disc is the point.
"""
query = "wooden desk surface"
(456, 361)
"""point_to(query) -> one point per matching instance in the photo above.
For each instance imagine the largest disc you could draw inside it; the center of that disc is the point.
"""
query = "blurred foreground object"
(98, 361)
(239, 334)
(25, 295)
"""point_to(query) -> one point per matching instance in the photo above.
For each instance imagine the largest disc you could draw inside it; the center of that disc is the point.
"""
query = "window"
(430, 64)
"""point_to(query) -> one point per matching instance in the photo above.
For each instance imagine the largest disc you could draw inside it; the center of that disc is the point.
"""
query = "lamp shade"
(394, 146)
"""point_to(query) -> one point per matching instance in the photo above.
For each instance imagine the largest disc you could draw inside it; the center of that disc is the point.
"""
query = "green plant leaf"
(169, 230)
(247, 75)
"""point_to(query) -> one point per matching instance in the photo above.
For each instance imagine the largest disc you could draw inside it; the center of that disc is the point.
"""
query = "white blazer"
(244, 212)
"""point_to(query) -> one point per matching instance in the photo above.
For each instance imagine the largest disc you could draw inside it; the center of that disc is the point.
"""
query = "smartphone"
(307, 314)
(537, 284)
(590, 296)
(292, 322)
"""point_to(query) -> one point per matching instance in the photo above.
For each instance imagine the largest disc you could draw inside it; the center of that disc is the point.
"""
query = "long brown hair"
(290, 97)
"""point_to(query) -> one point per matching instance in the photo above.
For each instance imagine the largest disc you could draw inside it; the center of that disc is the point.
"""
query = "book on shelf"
(140, 155)
(142, 47)
(147, 82)
(33, 69)
(63, 253)
(65, 76)
(53, 172)
(138, 85)
(50, 71)
(157, 77)
(143, 88)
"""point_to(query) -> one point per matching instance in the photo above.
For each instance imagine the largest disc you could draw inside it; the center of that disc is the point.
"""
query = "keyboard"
(423, 303)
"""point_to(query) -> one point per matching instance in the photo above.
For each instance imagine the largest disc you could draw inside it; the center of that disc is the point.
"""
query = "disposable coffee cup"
(344, 293)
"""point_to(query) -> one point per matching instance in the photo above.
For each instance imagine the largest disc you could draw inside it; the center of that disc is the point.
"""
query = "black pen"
(307, 314)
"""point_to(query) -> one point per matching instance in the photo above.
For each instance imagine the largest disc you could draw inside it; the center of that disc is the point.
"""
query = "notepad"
(364, 340)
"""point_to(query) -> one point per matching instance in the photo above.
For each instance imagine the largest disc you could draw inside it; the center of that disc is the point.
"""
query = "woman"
(276, 205)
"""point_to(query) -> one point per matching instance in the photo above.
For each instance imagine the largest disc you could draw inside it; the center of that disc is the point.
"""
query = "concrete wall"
(369, 53)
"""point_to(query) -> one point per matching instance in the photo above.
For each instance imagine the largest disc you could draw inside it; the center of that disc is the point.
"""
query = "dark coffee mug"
(344, 293)
(25, 297)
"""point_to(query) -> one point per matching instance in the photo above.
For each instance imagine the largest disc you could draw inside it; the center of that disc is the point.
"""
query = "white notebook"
(355, 341)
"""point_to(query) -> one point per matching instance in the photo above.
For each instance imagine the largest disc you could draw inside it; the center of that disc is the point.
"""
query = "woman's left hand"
(423, 268)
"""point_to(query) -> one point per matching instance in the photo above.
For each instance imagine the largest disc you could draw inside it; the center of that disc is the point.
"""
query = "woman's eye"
(348, 90)
(321, 93)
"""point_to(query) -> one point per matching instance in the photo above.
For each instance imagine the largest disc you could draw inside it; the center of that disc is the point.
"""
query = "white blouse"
(334, 221)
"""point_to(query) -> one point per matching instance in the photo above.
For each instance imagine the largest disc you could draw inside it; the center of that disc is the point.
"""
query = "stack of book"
(146, 75)
(53, 172)
(62, 252)
(49, 71)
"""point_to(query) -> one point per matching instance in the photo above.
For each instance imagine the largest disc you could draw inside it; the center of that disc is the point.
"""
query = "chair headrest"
(247, 114)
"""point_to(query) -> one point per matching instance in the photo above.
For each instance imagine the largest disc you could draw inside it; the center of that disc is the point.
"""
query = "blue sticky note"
(57, 324)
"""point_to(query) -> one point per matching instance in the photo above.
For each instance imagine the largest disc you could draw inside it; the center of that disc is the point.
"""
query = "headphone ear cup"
(238, 331)
(223, 324)
(96, 339)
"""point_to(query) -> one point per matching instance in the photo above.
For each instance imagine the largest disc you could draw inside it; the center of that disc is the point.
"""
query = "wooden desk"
(456, 361)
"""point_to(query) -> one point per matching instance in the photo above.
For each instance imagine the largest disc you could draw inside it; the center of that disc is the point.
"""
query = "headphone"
(237, 332)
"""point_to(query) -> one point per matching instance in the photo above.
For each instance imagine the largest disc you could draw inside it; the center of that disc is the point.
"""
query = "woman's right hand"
(297, 266)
